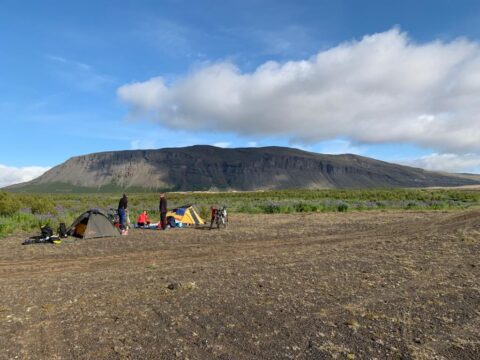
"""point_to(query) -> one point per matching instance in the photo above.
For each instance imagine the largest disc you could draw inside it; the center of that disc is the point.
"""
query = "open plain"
(356, 285)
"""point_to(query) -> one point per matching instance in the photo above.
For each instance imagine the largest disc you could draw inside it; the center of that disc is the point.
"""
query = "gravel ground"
(360, 285)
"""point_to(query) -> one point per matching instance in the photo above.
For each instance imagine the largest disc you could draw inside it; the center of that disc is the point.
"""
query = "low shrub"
(9, 204)
(304, 207)
(271, 209)
(412, 205)
(343, 207)
(381, 204)
(43, 206)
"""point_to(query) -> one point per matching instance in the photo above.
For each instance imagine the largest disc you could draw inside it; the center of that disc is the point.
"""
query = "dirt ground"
(366, 285)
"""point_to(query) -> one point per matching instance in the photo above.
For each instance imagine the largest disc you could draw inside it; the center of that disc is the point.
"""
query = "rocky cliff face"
(208, 167)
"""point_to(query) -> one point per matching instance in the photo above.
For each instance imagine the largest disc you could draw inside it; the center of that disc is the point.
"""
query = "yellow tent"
(187, 215)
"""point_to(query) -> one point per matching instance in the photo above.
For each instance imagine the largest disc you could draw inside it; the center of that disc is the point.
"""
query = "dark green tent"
(93, 224)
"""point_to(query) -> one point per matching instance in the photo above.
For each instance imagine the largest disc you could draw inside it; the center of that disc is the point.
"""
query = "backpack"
(46, 231)
(62, 230)
(171, 221)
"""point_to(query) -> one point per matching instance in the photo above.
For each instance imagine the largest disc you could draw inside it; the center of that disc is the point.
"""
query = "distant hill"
(211, 168)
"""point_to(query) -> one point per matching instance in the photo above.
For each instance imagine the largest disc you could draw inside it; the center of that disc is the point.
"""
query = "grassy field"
(27, 212)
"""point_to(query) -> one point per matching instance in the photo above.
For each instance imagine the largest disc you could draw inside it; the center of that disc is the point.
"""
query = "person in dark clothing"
(122, 206)
(163, 211)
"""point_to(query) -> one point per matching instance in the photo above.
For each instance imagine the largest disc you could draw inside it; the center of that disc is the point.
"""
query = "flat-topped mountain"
(204, 167)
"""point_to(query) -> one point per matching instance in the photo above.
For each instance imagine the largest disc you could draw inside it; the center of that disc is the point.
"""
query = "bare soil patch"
(396, 285)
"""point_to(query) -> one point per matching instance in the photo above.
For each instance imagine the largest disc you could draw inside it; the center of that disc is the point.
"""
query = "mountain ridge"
(206, 167)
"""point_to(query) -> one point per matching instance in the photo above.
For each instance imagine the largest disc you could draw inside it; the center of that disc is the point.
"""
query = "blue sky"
(68, 72)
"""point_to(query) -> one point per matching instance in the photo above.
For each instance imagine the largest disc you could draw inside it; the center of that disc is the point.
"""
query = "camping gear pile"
(95, 224)
(47, 237)
(91, 224)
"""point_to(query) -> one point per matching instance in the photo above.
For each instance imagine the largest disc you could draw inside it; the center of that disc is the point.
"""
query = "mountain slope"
(207, 167)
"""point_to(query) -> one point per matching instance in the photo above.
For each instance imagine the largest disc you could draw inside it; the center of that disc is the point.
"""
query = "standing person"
(214, 213)
(163, 210)
(122, 207)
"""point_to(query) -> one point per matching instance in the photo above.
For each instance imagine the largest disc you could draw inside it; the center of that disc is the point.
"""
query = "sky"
(394, 80)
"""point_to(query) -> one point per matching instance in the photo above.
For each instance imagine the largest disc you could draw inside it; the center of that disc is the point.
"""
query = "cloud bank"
(14, 175)
(455, 163)
(384, 88)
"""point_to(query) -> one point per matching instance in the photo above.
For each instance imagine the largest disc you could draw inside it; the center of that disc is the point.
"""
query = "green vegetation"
(27, 212)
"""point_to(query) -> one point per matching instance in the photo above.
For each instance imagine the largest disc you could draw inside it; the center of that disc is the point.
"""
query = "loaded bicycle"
(219, 217)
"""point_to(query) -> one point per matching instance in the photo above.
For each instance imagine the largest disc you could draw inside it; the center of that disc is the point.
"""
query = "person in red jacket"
(143, 219)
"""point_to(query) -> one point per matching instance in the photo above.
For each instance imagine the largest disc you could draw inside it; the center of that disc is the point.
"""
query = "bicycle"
(220, 217)
(112, 215)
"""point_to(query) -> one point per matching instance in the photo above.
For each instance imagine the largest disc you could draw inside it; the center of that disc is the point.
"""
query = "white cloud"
(56, 58)
(143, 144)
(62, 60)
(145, 96)
(340, 146)
(223, 144)
(13, 175)
(463, 163)
(383, 88)
(81, 75)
